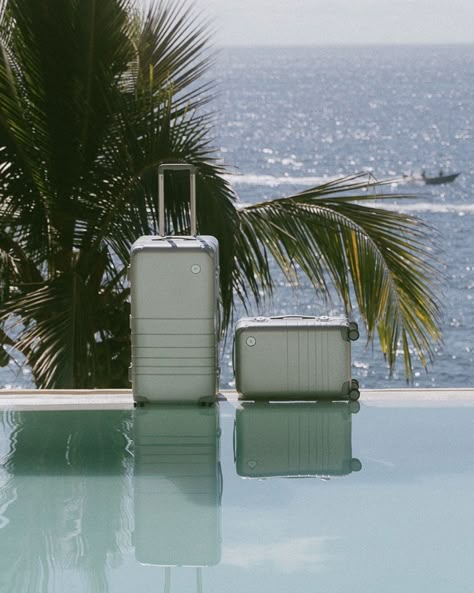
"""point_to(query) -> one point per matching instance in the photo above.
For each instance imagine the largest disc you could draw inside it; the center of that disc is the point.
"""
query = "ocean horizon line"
(342, 45)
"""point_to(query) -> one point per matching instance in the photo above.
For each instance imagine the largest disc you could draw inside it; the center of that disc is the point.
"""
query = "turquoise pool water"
(195, 499)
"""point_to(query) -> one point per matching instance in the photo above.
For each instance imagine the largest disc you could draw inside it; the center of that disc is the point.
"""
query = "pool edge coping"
(122, 399)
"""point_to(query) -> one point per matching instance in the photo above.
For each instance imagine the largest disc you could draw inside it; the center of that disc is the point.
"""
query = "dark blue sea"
(289, 118)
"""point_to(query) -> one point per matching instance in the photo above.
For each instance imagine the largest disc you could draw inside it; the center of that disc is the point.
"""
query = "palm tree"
(93, 96)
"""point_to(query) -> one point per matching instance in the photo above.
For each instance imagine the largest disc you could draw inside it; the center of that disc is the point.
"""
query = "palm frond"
(60, 325)
(385, 260)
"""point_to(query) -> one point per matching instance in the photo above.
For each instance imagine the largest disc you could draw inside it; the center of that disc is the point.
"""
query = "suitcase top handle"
(176, 167)
(161, 193)
(293, 317)
(353, 329)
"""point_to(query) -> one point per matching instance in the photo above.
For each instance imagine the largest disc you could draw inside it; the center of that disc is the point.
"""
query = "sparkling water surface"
(172, 499)
(289, 118)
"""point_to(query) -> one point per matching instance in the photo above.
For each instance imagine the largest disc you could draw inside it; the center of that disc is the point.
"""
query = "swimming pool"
(378, 500)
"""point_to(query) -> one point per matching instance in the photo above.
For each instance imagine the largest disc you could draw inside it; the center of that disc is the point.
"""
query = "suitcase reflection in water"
(177, 486)
(294, 357)
(294, 439)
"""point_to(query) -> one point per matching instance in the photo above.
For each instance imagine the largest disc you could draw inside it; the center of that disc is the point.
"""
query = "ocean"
(289, 118)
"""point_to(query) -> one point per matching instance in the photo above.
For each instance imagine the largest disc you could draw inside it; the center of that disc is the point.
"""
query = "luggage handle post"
(161, 193)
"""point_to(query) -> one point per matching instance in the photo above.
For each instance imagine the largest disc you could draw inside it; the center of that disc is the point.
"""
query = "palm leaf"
(385, 260)
(61, 324)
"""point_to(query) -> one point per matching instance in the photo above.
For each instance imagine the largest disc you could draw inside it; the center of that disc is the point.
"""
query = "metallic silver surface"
(293, 357)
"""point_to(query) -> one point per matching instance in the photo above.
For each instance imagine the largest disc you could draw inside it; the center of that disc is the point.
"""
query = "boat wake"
(418, 208)
(313, 181)
(460, 209)
(273, 181)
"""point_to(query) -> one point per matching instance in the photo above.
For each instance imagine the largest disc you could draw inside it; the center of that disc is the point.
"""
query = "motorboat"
(440, 179)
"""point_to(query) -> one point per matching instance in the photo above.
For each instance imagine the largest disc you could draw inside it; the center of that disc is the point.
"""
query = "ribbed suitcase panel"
(174, 363)
(175, 341)
(276, 359)
(175, 387)
(174, 327)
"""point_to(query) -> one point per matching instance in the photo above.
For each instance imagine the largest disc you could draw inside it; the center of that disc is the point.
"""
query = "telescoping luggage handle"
(161, 193)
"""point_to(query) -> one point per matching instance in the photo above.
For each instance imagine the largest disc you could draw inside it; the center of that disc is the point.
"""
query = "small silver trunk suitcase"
(294, 439)
(293, 357)
(177, 485)
(174, 312)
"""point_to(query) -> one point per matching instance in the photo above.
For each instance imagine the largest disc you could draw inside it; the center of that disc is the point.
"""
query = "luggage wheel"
(354, 392)
(353, 331)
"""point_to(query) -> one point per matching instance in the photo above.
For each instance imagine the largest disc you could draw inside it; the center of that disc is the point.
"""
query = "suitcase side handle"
(161, 193)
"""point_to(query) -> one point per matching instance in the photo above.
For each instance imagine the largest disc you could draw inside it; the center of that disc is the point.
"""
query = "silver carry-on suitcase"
(177, 485)
(294, 357)
(294, 439)
(174, 283)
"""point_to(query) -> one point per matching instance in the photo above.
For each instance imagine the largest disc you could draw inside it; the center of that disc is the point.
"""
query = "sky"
(336, 22)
